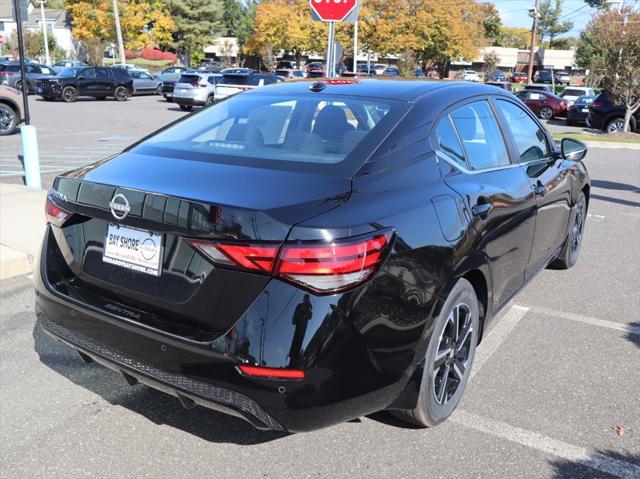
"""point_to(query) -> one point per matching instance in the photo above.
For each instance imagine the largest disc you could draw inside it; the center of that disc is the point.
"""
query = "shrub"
(150, 54)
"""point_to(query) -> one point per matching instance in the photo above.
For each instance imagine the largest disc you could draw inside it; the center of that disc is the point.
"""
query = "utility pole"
(116, 17)
(534, 13)
(44, 32)
(355, 47)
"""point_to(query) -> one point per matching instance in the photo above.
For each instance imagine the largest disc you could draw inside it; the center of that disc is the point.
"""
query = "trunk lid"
(174, 200)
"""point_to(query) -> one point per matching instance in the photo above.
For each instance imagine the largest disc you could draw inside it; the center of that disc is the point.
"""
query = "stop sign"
(333, 10)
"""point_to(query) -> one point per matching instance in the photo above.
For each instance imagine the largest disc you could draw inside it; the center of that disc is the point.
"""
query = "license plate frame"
(133, 248)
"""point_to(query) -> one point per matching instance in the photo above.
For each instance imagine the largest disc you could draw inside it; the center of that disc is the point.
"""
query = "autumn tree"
(613, 48)
(197, 23)
(514, 37)
(286, 25)
(145, 23)
(491, 61)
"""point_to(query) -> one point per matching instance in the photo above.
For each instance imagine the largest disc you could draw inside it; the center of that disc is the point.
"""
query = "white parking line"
(603, 323)
(498, 333)
(548, 445)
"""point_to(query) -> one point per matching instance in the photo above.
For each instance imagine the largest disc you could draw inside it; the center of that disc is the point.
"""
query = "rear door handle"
(481, 209)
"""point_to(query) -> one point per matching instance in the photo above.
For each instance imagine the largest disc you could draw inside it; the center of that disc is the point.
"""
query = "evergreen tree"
(198, 22)
(549, 21)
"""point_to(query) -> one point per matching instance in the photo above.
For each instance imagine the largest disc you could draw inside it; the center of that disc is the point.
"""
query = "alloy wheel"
(120, 94)
(70, 94)
(452, 357)
(615, 125)
(7, 118)
(578, 228)
(546, 113)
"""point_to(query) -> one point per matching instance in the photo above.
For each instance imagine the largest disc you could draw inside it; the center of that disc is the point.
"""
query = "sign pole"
(330, 60)
(355, 47)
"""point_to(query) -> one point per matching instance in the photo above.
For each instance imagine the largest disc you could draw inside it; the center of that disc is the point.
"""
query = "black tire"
(438, 399)
(570, 122)
(158, 90)
(571, 250)
(169, 99)
(8, 120)
(69, 94)
(546, 113)
(186, 107)
(49, 98)
(210, 100)
(121, 93)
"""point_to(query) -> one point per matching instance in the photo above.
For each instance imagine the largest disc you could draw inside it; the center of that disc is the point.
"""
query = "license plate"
(39, 90)
(585, 110)
(134, 249)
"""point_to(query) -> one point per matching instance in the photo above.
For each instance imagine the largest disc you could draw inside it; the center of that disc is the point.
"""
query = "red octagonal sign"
(333, 10)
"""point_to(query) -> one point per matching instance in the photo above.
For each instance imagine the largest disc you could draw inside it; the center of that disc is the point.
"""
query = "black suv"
(98, 82)
(543, 76)
(608, 117)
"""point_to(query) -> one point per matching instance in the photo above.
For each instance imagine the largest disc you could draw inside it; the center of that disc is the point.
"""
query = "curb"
(14, 262)
(613, 145)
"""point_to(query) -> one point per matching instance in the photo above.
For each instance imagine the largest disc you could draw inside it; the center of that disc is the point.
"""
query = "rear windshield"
(572, 92)
(318, 133)
(189, 79)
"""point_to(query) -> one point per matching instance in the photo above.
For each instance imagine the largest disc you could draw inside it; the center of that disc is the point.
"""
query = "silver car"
(10, 74)
(195, 89)
(144, 83)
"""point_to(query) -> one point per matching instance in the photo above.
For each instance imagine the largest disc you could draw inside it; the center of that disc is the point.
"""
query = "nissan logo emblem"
(119, 206)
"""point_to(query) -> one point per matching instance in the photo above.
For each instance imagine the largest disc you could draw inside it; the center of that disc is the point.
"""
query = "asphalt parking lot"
(75, 134)
(555, 391)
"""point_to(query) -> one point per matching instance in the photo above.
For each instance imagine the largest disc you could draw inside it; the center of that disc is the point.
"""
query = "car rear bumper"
(181, 100)
(350, 369)
(189, 391)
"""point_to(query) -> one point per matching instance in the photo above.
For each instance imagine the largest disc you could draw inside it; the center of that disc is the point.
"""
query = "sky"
(515, 13)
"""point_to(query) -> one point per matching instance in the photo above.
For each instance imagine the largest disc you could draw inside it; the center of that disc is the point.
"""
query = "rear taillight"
(597, 104)
(321, 267)
(55, 215)
(201, 85)
(7, 73)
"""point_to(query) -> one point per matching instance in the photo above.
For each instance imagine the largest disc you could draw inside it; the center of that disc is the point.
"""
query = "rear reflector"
(271, 373)
(55, 215)
(320, 267)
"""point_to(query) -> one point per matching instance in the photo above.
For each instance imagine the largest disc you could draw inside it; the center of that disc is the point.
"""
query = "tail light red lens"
(320, 267)
(597, 104)
(55, 215)
(271, 373)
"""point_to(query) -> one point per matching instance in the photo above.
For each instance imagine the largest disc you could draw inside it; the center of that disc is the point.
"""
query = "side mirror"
(573, 150)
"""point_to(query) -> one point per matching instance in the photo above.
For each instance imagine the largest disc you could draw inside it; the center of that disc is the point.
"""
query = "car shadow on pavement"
(615, 200)
(565, 469)
(158, 407)
(614, 185)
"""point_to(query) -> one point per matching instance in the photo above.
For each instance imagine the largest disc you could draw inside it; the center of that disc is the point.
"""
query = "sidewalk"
(22, 224)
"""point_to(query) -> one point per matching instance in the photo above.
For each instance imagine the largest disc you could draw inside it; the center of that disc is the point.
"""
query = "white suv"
(572, 93)
(195, 89)
(470, 75)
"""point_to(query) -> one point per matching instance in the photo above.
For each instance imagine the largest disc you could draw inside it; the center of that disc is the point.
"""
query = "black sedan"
(579, 111)
(307, 253)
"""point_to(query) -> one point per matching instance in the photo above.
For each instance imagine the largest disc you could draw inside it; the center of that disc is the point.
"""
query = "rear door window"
(448, 141)
(530, 140)
(481, 136)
